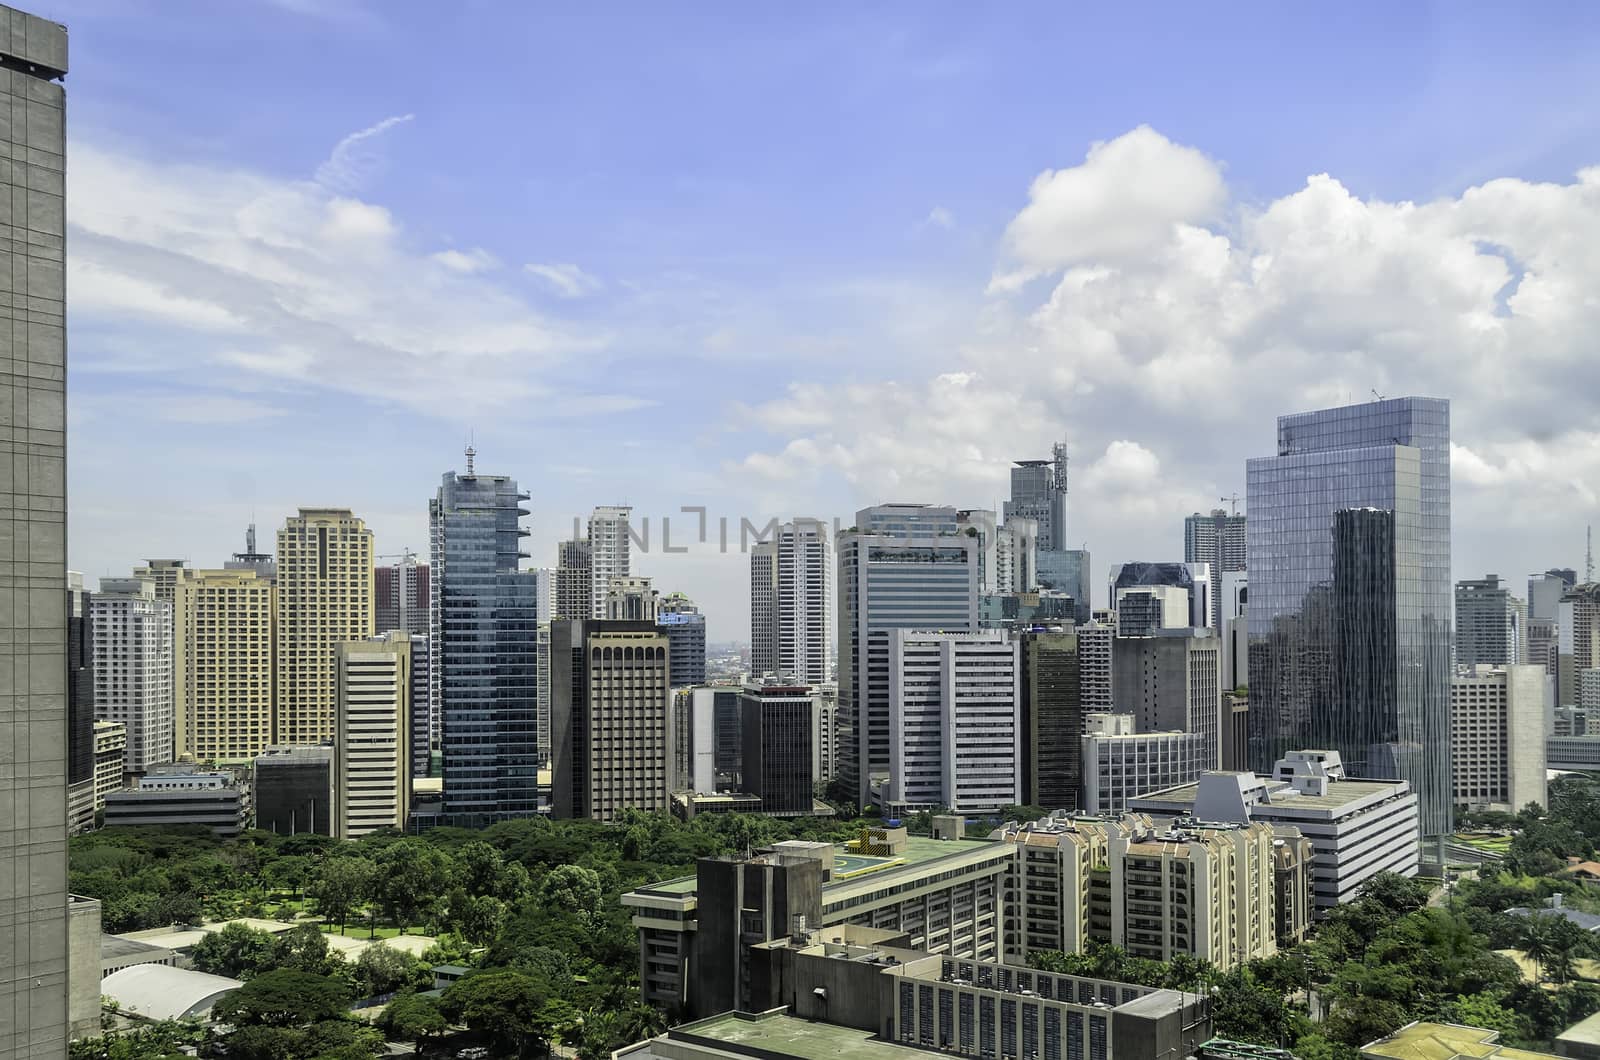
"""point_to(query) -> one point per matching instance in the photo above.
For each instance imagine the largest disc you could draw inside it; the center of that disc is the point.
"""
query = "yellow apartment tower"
(325, 597)
(225, 621)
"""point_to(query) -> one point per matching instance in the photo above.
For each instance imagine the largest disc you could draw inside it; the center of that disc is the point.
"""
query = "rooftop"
(1584, 1032)
(783, 1035)
(1444, 1041)
(1341, 793)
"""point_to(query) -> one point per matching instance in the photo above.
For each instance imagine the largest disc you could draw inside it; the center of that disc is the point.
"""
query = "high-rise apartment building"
(372, 742)
(574, 585)
(133, 681)
(608, 552)
(1096, 643)
(1577, 640)
(80, 705)
(1219, 540)
(225, 628)
(779, 758)
(1497, 737)
(1169, 680)
(1039, 492)
(1488, 629)
(166, 575)
(791, 624)
(611, 718)
(33, 722)
(1350, 602)
(1050, 719)
(401, 592)
(1544, 613)
(953, 734)
(901, 567)
(1007, 552)
(685, 628)
(484, 631)
(110, 753)
(325, 597)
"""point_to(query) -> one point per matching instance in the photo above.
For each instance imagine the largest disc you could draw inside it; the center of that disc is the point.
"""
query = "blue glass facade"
(1066, 571)
(1350, 594)
(485, 633)
(686, 637)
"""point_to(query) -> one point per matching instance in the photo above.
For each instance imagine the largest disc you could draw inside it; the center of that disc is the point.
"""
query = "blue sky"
(724, 254)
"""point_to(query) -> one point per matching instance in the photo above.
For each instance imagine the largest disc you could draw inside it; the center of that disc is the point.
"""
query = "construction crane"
(1233, 503)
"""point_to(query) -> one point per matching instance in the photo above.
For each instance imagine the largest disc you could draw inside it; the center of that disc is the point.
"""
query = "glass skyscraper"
(1350, 594)
(484, 625)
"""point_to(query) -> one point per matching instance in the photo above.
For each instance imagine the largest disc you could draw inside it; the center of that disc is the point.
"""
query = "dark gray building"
(1217, 539)
(1051, 720)
(742, 903)
(34, 722)
(80, 683)
(776, 730)
(1039, 492)
(484, 667)
(727, 722)
(1350, 601)
(1488, 627)
(293, 790)
(685, 628)
(1169, 680)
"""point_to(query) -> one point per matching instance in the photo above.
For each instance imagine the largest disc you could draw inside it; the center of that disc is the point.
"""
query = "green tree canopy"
(284, 998)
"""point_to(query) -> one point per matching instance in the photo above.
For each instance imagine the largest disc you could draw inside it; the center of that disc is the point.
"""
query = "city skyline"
(565, 296)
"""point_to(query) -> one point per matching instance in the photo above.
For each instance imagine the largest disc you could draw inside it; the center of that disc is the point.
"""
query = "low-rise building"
(1357, 827)
(1120, 763)
(180, 796)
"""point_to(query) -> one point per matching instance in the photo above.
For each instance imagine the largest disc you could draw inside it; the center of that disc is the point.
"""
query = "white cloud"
(939, 217)
(475, 260)
(565, 280)
(353, 160)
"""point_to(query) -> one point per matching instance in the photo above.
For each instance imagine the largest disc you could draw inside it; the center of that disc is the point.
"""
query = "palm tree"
(1538, 944)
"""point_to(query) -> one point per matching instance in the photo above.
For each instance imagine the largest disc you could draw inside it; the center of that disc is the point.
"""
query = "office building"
(791, 623)
(422, 728)
(1497, 737)
(1020, 612)
(110, 753)
(612, 742)
(225, 630)
(609, 549)
(1180, 595)
(1217, 539)
(1120, 763)
(901, 567)
(727, 734)
(696, 932)
(292, 790)
(825, 734)
(264, 564)
(80, 705)
(542, 698)
(1577, 639)
(1354, 508)
(778, 761)
(1357, 827)
(574, 586)
(631, 599)
(1488, 630)
(1169, 680)
(1096, 646)
(372, 740)
(1206, 890)
(685, 628)
(325, 596)
(1007, 552)
(1050, 719)
(1039, 493)
(1545, 591)
(952, 722)
(1067, 571)
(401, 591)
(694, 740)
(1233, 629)
(133, 678)
(1235, 752)
(484, 667)
(180, 795)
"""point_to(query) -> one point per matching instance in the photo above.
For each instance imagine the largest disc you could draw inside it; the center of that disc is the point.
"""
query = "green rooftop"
(786, 1035)
(1444, 1041)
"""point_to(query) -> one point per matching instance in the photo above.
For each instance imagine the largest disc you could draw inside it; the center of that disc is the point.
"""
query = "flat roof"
(1444, 1041)
(1585, 1031)
(786, 1035)
(852, 868)
(1341, 793)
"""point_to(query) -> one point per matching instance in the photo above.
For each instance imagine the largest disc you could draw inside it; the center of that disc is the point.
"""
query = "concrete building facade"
(1170, 680)
(372, 739)
(226, 625)
(1488, 626)
(133, 682)
(325, 596)
(1119, 762)
(1497, 737)
(609, 552)
(791, 620)
(1050, 719)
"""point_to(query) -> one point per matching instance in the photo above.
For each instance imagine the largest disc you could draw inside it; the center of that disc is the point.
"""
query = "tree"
(413, 1018)
(341, 885)
(1539, 944)
(383, 969)
(573, 888)
(503, 1006)
(305, 949)
(237, 951)
(481, 868)
(412, 876)
(283, 998)
(287, 873)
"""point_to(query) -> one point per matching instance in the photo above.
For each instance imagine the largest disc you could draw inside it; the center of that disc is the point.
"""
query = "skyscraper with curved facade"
(1348, 548)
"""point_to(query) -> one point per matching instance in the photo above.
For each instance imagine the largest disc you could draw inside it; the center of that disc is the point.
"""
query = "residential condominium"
(1120, 762)
(1205, 890)
(1357, 827)
(1007, 552)
(325, 596)
(901, 567)
(1497, 747)
(608, 552)
(1488, 623)
(573, 594)
(791, 624)
(954, 739)
(1349, 558)
(1096, 644)
(133, 678)
(1217, 539)
(110, 750)
(1577, 640)
(33, 728)
(372, 741)
(226, 627)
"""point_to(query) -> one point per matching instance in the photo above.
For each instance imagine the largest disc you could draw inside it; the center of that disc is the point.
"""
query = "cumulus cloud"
(475, 260)
(565, 280)
(1171, 322)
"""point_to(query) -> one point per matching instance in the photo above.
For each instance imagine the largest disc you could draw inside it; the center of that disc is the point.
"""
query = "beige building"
(225, 621)
(325, 597)
(1497, 737)
(110, 746)
(371, 759)
(1207, 891)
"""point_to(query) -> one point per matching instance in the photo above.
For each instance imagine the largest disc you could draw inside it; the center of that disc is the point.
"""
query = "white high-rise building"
(372, 745)
(133, 668)
(953, 734)
(608, 553)
(791, 622)
(1497, 737)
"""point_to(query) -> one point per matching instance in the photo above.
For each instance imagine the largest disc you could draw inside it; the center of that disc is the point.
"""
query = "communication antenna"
(1588, 553)
(471, 452)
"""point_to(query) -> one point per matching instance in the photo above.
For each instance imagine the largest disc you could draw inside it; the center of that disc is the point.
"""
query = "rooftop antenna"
(1588, 553)
(471, 452)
